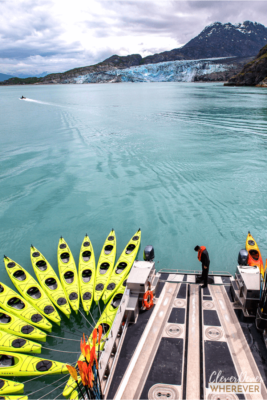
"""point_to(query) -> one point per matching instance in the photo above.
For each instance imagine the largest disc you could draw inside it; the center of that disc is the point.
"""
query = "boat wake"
(41, 102)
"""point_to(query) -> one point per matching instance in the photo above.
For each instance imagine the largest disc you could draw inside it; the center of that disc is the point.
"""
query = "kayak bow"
(7, 387)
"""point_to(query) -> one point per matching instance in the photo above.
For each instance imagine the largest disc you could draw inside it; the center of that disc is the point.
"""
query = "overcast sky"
(56, 35)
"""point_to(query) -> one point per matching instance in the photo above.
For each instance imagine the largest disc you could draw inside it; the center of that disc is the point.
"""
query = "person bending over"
(203, 257)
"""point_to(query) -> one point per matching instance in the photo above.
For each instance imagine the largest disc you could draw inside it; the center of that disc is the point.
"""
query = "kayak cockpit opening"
(16, 303)
(105, 328)
(135, 238)
(116, 300)
(7, 361)
(110, 238)
(254, 254)
(86, 244)
(121, 267)
(62, 246)
(130, 248)
(1, 383)
(51, 283)
(36, 254)
(103, 268)
(108, 249)
(1, 288)
(86, 255)
(11, 265)
(41, 265)
(18, 343)
(86, 275)
(34, 292)
(19, 275)
(251, 242)
(69, 276)
(65, 257)
(4, 318)
(124, 283)
(44, 365)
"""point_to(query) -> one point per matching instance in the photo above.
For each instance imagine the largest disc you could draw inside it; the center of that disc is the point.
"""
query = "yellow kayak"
(74, 395)
(123, 266)
(68, 274)
(49, 281)
(31, 290)
(10, 342)
(17, 305)
(86, 273)
(7, 387)
(106, 319)
(14, 325)
(105, 265)
(18, 397)
(15, 364)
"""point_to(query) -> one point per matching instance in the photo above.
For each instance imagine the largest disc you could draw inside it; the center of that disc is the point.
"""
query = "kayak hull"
(122, 267)
(15, 304)
(68, 274)
(10, 387)
(15, 343)
(49, 281)
(87, 273)
(26, 284)
(14, 325)
(105, 265)
(15, 364)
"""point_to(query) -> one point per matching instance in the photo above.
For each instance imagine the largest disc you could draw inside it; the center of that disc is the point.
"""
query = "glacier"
(170, 71)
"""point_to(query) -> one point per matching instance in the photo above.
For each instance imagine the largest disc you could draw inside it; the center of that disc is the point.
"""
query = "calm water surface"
(184, 162)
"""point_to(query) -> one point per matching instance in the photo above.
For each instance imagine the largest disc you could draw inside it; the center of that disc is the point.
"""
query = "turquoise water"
(184, 162)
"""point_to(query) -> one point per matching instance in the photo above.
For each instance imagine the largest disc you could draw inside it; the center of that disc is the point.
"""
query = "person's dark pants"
(205, 273)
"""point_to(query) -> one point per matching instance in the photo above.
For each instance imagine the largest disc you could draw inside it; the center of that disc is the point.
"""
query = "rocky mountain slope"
(254, 73)
(216, 40)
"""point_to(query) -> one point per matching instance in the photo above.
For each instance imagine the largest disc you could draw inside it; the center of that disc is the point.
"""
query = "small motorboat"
(22, 98)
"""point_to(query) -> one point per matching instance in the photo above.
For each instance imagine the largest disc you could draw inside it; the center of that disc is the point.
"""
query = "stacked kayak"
(254, 254)
(49, 281)
(87, 273)
(15, 364)
(106, 320)
(123, 266)
(14, 325)
(31, 290)
(7, 387)
(68, 274)
(15, 304)
(105, 265)
(10, 342)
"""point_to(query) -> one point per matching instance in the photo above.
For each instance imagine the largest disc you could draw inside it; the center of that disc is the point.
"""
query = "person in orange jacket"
(203, 257)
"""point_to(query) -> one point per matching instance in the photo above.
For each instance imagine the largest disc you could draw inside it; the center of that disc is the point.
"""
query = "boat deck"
(189, 336)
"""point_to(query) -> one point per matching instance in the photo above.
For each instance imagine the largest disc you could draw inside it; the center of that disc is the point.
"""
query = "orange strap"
(148, 299)
(200, 251)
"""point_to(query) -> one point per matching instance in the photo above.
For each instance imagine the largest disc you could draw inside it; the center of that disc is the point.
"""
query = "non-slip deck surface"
(167, 365)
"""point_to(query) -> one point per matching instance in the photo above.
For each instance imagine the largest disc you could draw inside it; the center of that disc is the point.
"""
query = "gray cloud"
(34, 37)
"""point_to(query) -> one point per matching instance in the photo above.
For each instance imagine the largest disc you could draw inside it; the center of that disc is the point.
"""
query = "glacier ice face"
(171, 71)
